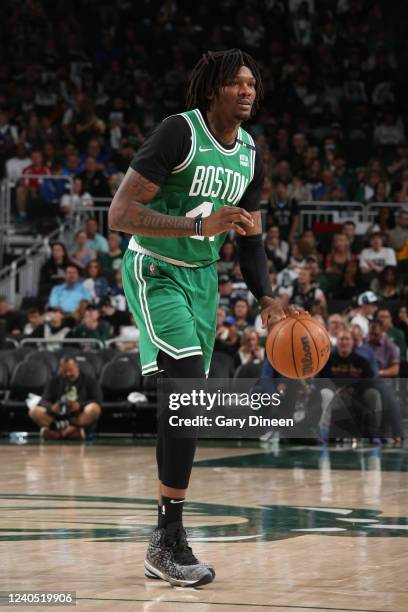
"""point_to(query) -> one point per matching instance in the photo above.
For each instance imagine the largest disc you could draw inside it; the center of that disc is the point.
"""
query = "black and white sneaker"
(170, 558)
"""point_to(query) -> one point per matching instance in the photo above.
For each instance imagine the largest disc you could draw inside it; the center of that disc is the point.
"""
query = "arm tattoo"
(129, 214)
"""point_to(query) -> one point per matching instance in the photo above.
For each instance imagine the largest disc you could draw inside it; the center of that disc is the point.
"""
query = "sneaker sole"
(152, 576)
(154, 573)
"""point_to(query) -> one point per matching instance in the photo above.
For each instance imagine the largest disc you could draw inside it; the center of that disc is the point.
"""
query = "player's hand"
(271, 312)
(294, 311)
(225, 219)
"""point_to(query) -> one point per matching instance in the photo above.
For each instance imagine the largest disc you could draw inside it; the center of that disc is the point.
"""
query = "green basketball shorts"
(175, 308)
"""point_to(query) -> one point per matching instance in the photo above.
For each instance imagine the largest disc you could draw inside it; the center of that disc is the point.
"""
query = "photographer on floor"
(70, 404)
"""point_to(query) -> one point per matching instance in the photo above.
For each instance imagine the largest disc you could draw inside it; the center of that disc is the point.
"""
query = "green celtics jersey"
(211, 176)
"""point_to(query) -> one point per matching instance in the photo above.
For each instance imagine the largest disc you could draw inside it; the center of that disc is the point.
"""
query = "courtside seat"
(85, 366)
(95, 359)
(9, 359)
(4, 376)
(29, 376)
(48, 357)
(119, 378)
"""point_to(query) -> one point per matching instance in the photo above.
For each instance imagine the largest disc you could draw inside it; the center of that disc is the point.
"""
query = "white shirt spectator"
(384, 257)
(15, 167)
(362, 322)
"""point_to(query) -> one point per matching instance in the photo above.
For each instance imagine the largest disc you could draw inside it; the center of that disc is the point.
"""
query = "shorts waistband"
(134, 246)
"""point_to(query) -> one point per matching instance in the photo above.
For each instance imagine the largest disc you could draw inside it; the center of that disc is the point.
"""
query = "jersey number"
(204, 210)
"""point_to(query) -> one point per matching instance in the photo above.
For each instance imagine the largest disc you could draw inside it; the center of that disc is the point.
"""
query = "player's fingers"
(240, 230)
(238, 214)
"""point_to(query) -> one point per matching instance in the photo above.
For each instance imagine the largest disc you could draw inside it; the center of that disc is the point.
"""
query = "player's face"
(237, 96)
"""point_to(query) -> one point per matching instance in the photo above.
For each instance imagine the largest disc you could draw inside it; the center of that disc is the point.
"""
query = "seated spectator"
(117, 293)
(355, 242)
(386, 286)
(306, 294)
(362, 348)
(95, 282)
(250, 350)
(239, 287)
(276, 250)
(15, 165)
(393, 333)
(225, 292)
(228, 257)
(30, 188)
(383, 223)
(81, 255)
(402, 322)
(96, 242)
(68, 295)
(11, 321)
(241, 314)
(388, 361)
(227, 339)
(70, 404)
(55, 326)
(348, 286)
(53, 270)
(339, 256)
(347, 386)
(374, 259)
(297, 260)
(285, 213)
(35, 320)
(367, 306)
(92, 326)
(93, 180)
(53, 189)
(111, 261)
(335, 325)
(116, 319)
(399, 234)
(77, 200)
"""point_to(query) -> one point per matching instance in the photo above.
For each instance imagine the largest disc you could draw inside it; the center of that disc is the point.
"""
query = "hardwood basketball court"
(289, 529)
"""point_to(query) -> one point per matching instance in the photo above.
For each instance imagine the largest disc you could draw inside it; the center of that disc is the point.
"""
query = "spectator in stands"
(362, 348)
(35, 320)
(285, 213)
(117, 293)
(361, 399)
(111, 261)
(398, 236)
(68, 295)
(356, 243)
(374, 259)
(388, 361)
(402, 322)
(55, 326)
(393, 333)
(386, 286)
(15, 165)
(348, 286)
(241, 314)
(70, 405)
(335, 324)
(95, 282)
(225, 291)
(277, 250)
(227, 339)
(53, 270)
(92, 326)
(82, 255)
(306, 294)
(96, 242)
(228, 257)
(93, 180)
(116, 319)
(28, 189)
(250, 350)
(77, 200)
(367, 303)
(339, 256)
(383, 223)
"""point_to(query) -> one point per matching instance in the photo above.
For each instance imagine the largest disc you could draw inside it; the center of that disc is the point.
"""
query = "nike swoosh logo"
(203, 149)
(177, 501)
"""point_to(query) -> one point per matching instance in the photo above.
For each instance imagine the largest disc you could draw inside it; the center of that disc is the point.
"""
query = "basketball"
(298, 347)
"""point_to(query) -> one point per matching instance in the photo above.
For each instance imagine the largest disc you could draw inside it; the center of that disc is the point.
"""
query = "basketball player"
(196, 178)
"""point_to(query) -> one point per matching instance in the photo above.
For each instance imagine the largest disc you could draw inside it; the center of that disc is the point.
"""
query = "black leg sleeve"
(175, 455)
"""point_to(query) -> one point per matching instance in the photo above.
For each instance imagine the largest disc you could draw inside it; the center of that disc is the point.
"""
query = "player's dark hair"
(213, 70)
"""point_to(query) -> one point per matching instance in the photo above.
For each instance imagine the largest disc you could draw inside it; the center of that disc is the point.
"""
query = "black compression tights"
(175, 455)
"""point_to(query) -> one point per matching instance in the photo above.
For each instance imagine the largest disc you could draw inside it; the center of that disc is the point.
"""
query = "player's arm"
(166, 148)
(251, 252)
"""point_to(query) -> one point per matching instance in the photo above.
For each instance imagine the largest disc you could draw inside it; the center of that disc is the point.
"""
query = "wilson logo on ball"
(307, 361)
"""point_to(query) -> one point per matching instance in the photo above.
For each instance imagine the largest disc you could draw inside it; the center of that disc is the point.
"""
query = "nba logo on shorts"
(152, 269)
